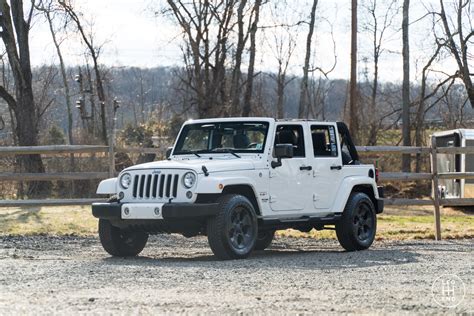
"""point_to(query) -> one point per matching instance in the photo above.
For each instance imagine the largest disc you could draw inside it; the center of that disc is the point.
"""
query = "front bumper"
(171, 211)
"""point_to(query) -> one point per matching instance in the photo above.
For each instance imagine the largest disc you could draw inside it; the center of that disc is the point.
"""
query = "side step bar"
(305, 222)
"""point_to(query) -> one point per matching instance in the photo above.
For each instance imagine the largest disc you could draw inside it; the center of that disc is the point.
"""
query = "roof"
(464, 132)
(251, 119)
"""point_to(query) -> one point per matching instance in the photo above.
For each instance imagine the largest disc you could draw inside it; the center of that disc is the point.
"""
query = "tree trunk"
(236, 74)
(15, 37)
(406, 86)
(353, 95)
(372, 137)
(250, 73)
(304, 95)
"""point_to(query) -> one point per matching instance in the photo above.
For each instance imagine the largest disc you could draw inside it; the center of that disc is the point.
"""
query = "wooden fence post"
(435, 181)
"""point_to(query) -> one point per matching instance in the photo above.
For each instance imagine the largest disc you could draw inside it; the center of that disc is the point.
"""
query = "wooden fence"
(434, 176)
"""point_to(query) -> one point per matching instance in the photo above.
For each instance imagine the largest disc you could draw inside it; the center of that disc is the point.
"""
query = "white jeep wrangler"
(237, 181)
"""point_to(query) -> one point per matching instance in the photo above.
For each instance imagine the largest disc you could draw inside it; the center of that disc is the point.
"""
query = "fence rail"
(109, 152)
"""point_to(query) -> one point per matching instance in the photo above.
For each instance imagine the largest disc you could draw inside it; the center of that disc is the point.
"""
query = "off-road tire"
(357, 227)
(232, 233)
(264, 239)
(120, 243)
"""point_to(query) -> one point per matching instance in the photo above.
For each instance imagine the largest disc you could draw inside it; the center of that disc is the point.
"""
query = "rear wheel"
(264, 239)
(357, 227)
(233, 232)
(120, 243)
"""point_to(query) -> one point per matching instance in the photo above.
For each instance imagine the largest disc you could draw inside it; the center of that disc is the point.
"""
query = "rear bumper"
(380, 203)
(171, 211)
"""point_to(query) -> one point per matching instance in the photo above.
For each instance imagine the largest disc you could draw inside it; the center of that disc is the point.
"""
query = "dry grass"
(57, 220)
(395, 223)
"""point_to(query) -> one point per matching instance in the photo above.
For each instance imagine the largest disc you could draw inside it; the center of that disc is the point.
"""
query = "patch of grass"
(395, 223)
(57, 220)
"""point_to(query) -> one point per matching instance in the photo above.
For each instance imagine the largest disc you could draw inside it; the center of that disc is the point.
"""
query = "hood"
(214, 165)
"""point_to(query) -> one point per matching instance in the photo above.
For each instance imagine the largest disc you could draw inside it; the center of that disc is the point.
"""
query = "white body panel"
(282, 192)
(108, 186)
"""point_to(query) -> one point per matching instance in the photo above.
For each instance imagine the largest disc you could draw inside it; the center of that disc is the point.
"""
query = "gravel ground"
(44, 275)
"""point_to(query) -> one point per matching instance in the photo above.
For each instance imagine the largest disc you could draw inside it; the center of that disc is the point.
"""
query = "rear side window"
(324, 140)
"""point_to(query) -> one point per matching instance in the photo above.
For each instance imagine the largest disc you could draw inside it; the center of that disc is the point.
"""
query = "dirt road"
(42, 274)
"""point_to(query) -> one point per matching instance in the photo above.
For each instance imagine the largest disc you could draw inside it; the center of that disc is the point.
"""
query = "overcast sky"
(134, 36)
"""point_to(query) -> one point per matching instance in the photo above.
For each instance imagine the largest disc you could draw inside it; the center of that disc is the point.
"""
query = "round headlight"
(189, 179)
(125, 180)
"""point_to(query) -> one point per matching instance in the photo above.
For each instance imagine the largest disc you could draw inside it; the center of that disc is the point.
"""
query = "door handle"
(336, 167)
(306, 168)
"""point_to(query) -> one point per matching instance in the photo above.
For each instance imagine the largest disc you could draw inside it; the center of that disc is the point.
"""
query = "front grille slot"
(168, 185)
(142, 185)
(155, 186)
(175, 185)
(162, 185)
(135, 185)
(148, 186)
(155, 183)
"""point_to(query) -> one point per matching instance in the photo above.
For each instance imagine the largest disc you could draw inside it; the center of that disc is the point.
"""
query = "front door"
(327, 165)
(289, 182)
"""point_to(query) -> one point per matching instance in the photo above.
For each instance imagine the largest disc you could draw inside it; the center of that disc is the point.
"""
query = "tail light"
(376, 175)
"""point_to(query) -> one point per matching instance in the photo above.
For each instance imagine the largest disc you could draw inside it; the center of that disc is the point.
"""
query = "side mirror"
(168, 152)
(282, 151)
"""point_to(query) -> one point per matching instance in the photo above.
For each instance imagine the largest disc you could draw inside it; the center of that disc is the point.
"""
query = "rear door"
(289, 183)
(327, 165)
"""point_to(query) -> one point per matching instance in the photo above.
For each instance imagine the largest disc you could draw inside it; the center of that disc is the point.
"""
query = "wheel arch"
(355, 184)
(368, 190)
(245, 190)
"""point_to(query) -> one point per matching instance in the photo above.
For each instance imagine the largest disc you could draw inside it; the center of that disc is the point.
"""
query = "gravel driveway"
(46, 275)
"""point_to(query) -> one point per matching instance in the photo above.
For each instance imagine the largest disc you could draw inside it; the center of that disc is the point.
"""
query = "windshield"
(241, 137)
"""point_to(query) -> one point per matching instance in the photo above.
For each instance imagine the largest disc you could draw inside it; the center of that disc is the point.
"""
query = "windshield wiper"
(225, 150)
(192, 152)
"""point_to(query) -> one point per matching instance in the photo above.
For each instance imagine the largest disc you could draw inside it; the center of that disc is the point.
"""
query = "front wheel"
(120, 243)
(357, 227)
(233, 231)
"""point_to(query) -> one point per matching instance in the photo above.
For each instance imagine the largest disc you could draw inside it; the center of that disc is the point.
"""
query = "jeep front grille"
(153, 186)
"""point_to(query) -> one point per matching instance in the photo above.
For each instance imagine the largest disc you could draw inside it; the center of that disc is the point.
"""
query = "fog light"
(126, 211)
(189, 194)
(121, 195)
(157, 211)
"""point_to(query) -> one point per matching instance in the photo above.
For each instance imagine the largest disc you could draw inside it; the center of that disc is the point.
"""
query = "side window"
(291, 134)
(324, 140)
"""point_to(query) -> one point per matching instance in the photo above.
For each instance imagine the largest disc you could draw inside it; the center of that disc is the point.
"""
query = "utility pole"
(353, 117)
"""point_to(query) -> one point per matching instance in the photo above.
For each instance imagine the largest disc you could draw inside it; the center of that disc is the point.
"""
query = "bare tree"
(94, 52)
(251, 68)
(49, 12)
(377, 25)
(304, 94)
(242, 37)
(204, 57)
(15, 36)
(406, 86)
(282, 41)
(463, 30)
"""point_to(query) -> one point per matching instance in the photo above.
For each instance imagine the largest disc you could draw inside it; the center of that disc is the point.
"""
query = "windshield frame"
(253, 151)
